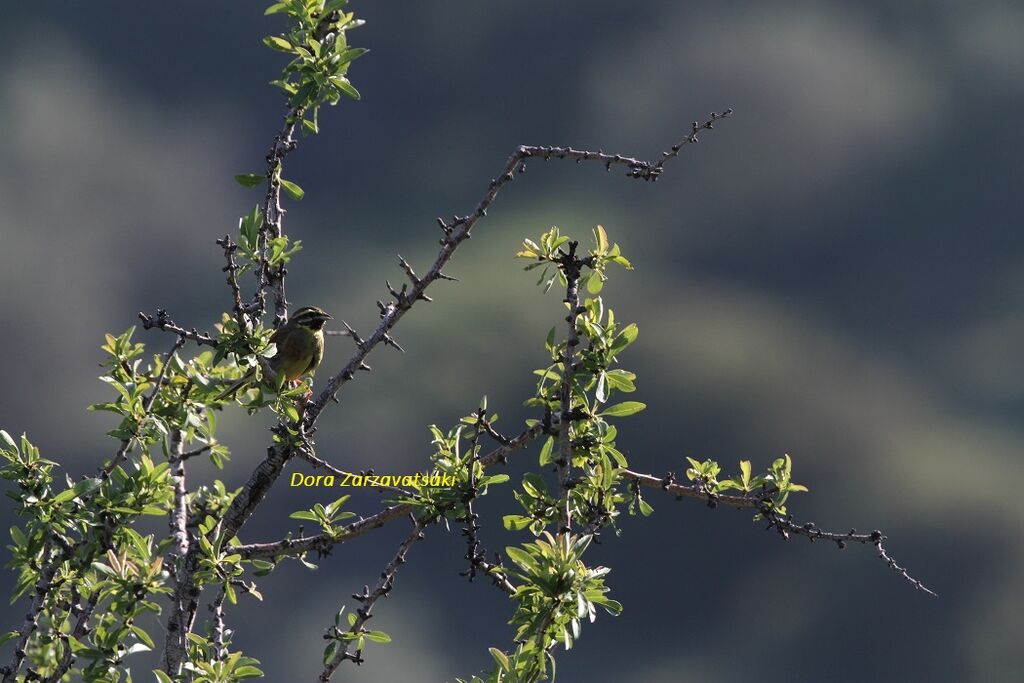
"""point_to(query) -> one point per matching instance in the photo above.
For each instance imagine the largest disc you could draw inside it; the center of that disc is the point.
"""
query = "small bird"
(300, 348)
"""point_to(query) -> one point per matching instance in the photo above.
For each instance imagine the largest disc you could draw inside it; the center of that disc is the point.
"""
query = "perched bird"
(300, 348)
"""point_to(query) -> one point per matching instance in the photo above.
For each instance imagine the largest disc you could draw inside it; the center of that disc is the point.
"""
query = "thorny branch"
(162, 321)
(784, 525)
(273, 216)
(369, 599)
(571, 268)
(231, 268)
(219, 628)
(459, 229)
(475, 555)
(322, 543)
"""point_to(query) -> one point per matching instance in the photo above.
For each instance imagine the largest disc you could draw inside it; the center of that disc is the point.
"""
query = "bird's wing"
(318, 355)
(293, 354)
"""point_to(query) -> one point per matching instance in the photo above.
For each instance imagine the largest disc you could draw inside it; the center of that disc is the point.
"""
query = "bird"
(300, 348)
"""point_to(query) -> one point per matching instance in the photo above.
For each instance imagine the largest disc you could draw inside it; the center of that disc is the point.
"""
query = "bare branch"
(459, 230)
(161, 321)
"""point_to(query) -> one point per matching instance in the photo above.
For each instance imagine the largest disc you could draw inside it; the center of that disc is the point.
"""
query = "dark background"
(837, 272)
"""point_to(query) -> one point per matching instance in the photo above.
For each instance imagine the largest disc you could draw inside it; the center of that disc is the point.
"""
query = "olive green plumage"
(300, 348)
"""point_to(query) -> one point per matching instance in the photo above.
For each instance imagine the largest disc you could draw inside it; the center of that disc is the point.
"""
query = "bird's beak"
(327, 316)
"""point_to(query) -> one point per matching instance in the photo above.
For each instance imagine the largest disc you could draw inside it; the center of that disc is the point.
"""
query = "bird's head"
(311, 317)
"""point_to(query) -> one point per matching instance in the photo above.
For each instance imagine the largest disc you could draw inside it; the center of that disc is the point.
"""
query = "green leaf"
(329, 651)
(247, 671)
(293, 190)
(377, 636)
(625, 338)
(7, 442)
(545, 451)
(342, 84)
(601, 393)
(143, 636)
(521, 557)
(278, 43)
(500, 658)
(623, 409)
(645, 508)
(515, 522)
(352, 54)
(745, 472)
(161, 677)
(249, 179)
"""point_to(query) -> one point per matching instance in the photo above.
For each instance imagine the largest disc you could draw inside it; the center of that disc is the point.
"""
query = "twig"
(784, 525)
(147, 407)
(31, 623)
(688, 140)
(458, 231)
(79, 630)
(273, 216)
(231, 268)
(198, 451)
(473, 552)
(323, 542)
(161, 321)
(218, 625)
(369, 599)
(571, 268)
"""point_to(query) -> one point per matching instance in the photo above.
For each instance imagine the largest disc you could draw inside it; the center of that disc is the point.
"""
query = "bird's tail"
(230, 391)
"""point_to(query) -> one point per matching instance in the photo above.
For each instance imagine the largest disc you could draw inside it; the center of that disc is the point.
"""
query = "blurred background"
(836, 272)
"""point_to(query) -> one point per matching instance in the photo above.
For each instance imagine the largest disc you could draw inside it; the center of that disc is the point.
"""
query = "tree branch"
(161, 321)
(460, 229)
(783, 524)
(369, 599)
(324, 542)
(273, 216)
(571, 269)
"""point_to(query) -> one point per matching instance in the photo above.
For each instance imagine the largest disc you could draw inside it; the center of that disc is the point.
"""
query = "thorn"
(408, 270)
(352, 333)
(443, 276)
(389, 341)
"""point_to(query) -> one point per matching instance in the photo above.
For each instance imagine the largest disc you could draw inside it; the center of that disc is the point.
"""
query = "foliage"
(96, 582)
